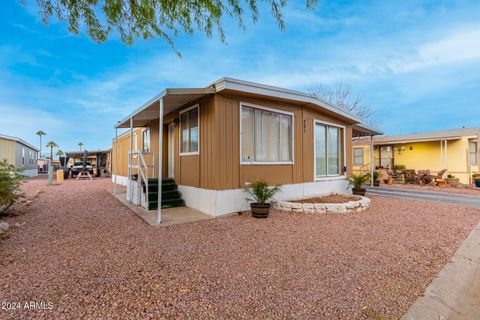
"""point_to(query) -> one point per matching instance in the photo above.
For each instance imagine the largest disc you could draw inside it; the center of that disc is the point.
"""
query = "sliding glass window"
(328, 150)
(266, 136)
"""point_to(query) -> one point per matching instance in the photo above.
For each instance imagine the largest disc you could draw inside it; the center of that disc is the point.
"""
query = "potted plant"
(261, 196)
(356, 181)
(452, 181)
(476, 179)
(376, 178)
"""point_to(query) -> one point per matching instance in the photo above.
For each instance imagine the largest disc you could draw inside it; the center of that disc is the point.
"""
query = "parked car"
(78, 167)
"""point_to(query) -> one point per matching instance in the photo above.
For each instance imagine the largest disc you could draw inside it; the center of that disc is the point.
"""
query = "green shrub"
(450, 176)
(399, 167)
(260, 192)
(357, 180)
(10, 181)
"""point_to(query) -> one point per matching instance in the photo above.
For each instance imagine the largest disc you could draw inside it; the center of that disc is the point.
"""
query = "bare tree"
(341, 96)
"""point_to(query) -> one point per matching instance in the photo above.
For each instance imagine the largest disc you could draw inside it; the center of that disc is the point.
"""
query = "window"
(146, 140)
(472, 152)
(23, 156)
(358, 156)
(189, 120)
(267, 135)
(328, 150)
(30, 159)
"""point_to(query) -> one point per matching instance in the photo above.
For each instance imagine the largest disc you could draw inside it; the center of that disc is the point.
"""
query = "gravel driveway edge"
(454, 293)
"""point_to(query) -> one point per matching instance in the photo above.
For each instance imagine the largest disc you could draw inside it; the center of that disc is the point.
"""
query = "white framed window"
(30, 159)
(329, 150)
(266, 135)
(358, 156)
(146, 140)
(189, 131)
(472, 152)
(23, 156)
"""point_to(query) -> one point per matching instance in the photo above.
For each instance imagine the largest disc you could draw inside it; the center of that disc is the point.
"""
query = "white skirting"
(220, 202)
(121, 180)
(29, 173)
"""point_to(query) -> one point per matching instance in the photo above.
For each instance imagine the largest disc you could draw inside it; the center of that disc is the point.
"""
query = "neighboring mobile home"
(19, 153)
(215, 140)
(455, 150)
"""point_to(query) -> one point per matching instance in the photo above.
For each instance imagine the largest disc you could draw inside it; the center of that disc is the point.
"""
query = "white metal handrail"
(142, 167)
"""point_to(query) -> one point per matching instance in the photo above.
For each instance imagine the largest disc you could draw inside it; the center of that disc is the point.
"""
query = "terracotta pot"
(453, 182)
(260, 210)
(359, 191)
(441, 183)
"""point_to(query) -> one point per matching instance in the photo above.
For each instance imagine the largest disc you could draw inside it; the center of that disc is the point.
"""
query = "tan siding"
(7, 150)
(218, 164)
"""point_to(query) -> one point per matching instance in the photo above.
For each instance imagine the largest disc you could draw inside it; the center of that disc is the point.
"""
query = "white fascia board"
(140, 109)
(168, 91)
(282, 93)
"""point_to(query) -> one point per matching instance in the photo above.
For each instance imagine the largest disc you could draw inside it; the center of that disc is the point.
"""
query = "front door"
(171, 150)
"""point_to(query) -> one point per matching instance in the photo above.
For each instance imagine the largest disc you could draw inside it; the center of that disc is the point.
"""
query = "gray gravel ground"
(88, 254)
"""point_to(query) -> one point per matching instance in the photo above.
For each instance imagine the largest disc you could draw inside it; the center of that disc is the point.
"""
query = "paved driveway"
(443, 197)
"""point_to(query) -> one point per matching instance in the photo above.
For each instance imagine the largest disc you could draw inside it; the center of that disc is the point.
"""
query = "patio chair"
(424, 177)
(409, 175)
(440, 174)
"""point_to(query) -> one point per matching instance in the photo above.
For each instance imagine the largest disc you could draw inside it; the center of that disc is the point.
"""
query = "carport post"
(160, 161)
(116, 161)
(372, 160)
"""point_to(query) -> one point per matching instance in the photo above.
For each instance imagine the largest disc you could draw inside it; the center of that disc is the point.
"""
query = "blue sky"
(417, 64)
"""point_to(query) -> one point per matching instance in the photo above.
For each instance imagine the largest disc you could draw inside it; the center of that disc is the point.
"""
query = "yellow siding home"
(456, 150)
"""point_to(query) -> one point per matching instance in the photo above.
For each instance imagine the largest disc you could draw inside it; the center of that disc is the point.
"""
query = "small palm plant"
(261, 196)
(356, 181)
(10, 181)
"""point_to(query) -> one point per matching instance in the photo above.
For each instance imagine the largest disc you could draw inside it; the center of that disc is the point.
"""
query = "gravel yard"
(91, 257)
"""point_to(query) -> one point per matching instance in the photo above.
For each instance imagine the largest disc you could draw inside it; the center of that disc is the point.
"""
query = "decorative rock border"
(359, 204)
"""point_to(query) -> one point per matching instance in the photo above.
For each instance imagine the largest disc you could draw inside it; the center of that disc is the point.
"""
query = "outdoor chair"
(409, 176)
(424, 177)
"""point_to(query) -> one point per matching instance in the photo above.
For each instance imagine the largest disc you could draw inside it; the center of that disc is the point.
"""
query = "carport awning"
(172, 99)
(363, 130)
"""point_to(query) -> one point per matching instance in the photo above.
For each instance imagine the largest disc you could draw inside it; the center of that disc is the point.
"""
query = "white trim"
(197, 105)
(329, 124)
(292, 138)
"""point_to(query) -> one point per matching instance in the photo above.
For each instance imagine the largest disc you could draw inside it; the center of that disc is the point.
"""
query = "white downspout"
(160, 161)
(116, 161)
(130, 159)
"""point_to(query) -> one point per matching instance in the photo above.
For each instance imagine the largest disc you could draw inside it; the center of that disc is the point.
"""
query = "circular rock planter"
(329, 203)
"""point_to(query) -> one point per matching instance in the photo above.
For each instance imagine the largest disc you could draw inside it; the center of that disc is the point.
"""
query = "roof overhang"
(262, 90)
(19, 140)
(89, 153)
(390, 142)
(172, 99)
(177, 97)
(363, 130)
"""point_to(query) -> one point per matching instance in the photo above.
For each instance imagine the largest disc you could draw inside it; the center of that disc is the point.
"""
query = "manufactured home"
(455, 150)
(20, 154)
(215, 140)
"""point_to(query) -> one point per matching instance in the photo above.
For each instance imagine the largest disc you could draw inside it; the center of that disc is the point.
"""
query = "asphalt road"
(450, 198)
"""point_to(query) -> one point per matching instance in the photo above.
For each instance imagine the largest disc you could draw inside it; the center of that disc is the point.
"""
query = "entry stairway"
(170, 196)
